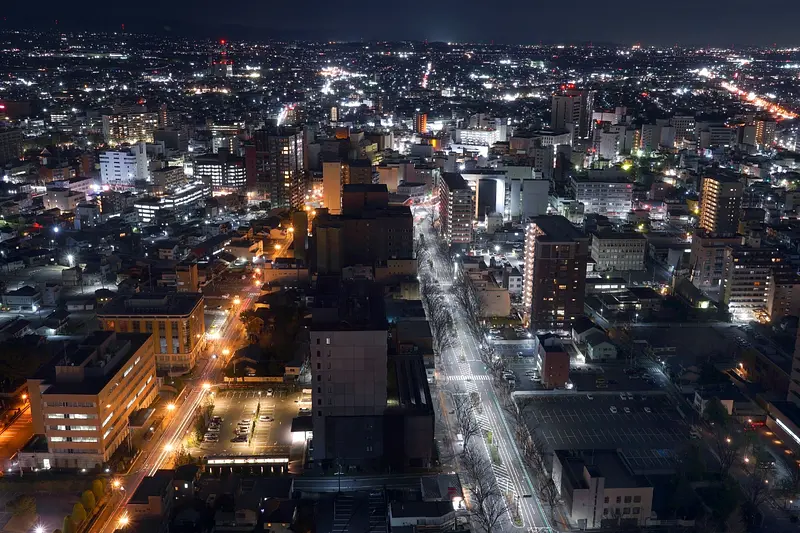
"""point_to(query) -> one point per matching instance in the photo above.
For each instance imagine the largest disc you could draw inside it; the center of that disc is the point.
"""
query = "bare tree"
(487, 507)
(726, 448)
(465, 418)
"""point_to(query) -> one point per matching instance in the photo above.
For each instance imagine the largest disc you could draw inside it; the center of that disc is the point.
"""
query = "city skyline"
(701, 24)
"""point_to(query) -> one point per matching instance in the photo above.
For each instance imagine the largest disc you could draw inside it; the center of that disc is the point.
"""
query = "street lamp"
(206, 386)
(124, 520)
(170, 407)
(169, 447)
(70, 260)
(116, 484)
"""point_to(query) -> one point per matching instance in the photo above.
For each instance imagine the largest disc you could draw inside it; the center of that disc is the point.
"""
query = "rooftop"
(152, 304)
(155, 485)
(454, 180)
(557, 228)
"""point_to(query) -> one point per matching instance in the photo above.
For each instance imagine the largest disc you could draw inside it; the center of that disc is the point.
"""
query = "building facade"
(746, 286)
(611, 197)
(81, 403)
(121, 169)
(456, 208)
(618, 251)
(720, 205)
(175, 320)
(556, 256)
(129, 128)
(222, 171)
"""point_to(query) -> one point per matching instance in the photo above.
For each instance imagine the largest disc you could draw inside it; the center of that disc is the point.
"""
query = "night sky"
(685, 22)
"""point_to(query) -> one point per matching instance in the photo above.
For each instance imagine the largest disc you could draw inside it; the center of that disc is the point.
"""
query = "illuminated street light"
(170, 407)
(124, 521)
(169, 447)
(70, 260)
(206, 386)
(226, 351)
(277, 246)
(116, 484)
(39, 529)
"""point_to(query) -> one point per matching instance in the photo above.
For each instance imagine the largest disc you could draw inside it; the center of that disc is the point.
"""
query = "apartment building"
(720, 205)
(746, 286)
(707, 259)
(222, 171)
(456, 208)
(122, 128)
(554, 280)
(81, 402)
(613, 250)
(176, 321)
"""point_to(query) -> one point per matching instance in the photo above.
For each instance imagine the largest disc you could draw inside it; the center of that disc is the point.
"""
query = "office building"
(571, 109)
(63, 199)
(720, 205)
(456, 209)
(368, 231)
(81, 402)
(129, 128)
(281, 166)
(10, 145)
(604, 193)
(420, 122)
(370, 408)
(167, 179)
(179, 201)
(600, 489)
(337, 174)
(613, 250)
(556, 255)
(223, 171)
(176, 321)
(747, 282)
(684, 127)
(121, 169)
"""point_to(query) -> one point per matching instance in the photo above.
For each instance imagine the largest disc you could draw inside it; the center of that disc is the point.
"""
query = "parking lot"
(586, 421)
(270, 422)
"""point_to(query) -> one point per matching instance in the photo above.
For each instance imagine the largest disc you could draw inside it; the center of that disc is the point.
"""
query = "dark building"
(280, 168)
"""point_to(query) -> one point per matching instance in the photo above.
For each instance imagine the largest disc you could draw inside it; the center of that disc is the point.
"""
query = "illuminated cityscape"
(361, 286)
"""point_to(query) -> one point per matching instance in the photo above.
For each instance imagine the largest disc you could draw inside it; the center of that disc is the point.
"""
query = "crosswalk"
(468, 378)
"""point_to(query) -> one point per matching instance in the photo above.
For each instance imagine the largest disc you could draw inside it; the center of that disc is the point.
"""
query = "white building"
(618, 251)
(222, 171)
(180, 200)
(120, 169)
(605, 193)
(477, 137)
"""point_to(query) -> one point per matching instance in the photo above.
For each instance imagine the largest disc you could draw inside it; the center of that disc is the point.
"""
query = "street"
(462, 369)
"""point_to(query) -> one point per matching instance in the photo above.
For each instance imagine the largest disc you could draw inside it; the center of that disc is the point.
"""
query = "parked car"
(265, 418)
(613, 409)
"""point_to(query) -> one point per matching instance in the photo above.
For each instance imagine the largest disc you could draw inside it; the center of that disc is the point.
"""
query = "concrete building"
(618, 250)
(175, 320)
(129, 128)
(609, 194)
(222, 171)
(368, 232)
(82, 402)
(10, 145)
(167, 179)
(63, 199)
(280, 160)
(456, 209)
(571, 109)
(746, 285)
(552, 360)
(556, 255)
(26, 298)
(684, 127)
(121, 169)
(707, 259)
(175, 204)
(600, 490)
(720, 205)
(349, 344)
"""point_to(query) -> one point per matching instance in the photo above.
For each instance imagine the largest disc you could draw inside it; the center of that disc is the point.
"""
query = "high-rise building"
(223, 171)
(720, 205)
(10, 145)
(556, 255)
(129, 128)
(684, 127)
(369, 408)
(82, 401)
(746, 286)
(176, 321)
(456, 209)
(765, 132)
(420, 122)
(604, 193)
(571, 109)
(707, 260)
(368, 231)
(337, 174)
(121, 169)
(280, 166)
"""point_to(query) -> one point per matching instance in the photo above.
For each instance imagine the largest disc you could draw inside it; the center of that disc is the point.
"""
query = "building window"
(317, 341)
(319, 390)
(319, 366)
(619, 499)
(319, 402)
(319, 354)
(319, 378)
(626, 510)
(605, 511)
(327, 340)
(636, 510)
(627, 499)
(605, 500)
(637, 499)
